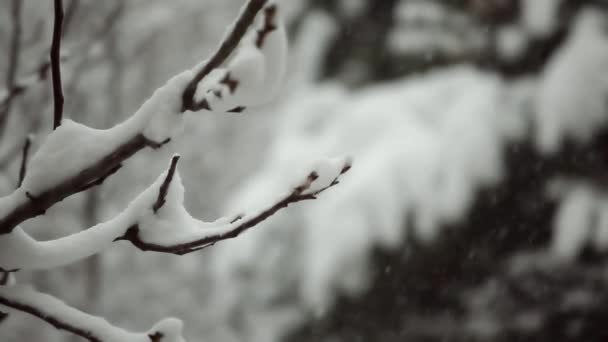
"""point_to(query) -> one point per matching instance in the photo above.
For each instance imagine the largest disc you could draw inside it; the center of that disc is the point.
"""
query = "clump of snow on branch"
(73, 146)
(571, 98)
(255, 73)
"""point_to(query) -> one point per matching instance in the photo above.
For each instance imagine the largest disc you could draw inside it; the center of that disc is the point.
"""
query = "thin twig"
(164, 188)
(24, 157)
(56, 64)
(225, 49)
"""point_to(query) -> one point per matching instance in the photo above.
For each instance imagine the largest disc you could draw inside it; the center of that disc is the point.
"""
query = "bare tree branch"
(164, 188)
(14, 52)
(24, 157)
(56, 64)
(18, 87)
(225, 49)
(41, 72)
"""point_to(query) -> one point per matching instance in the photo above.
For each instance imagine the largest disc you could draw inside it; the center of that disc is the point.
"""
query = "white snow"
(511, 41)
(540, 16)
(100, 328)
(259, 72)
(424, 27)
(171, 225)
(571, 97)
(414, 156)
(600, 238)
(573, 224)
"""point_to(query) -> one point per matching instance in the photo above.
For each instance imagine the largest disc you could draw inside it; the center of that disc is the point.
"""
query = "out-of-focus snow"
(581, 221)
(352, 8)
(424, 27)
(540, 16)
(511, 41)
(572, 95)
(414, 154)
(423, 147)
(573, 223)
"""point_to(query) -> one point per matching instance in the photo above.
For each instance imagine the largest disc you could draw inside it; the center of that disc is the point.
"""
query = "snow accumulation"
(424, 146)
(574, 222)
(540, 16)
(170, 225)
(426, 27)
(50, 307)
(259, 71)
(571, 97)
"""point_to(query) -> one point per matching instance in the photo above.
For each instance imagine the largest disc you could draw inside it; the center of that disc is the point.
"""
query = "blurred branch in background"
(14, 52)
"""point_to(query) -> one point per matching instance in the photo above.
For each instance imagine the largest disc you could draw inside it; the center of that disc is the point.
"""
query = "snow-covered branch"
(94, 329)
(157, 221)
(254, 74)
(74, 158)
(173, 230)
(235, 33)
(62, 167)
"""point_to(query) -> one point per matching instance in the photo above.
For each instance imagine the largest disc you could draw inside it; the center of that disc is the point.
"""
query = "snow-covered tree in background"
(246, 70)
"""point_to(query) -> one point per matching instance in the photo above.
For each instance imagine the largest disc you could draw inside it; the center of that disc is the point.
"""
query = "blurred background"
(476, 210)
